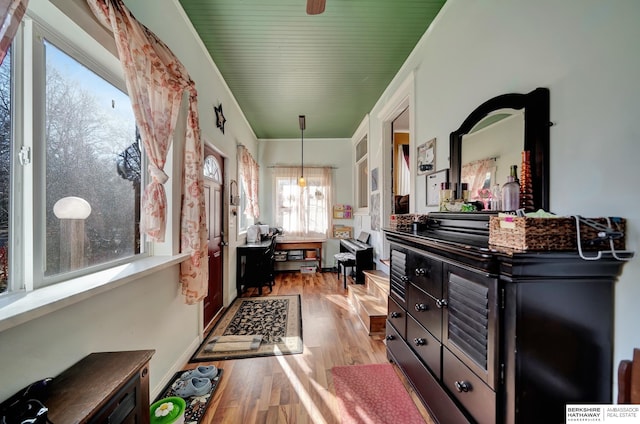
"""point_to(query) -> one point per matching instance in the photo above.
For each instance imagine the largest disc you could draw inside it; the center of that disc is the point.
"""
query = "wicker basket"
(550, 233)
(403, 222)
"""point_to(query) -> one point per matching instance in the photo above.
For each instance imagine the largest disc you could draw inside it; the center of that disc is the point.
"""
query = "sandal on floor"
(203, 371)
(192, 387)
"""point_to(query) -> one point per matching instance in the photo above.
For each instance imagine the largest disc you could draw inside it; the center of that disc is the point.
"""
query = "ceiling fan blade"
(315, 7)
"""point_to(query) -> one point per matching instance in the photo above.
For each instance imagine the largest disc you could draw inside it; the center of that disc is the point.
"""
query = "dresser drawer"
(428, 348)
(397, 316)
(425, 272)
(478, 398)
(433, 396)
(424, 309)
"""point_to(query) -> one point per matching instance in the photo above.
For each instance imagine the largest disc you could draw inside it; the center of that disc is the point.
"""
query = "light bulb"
(302, 182)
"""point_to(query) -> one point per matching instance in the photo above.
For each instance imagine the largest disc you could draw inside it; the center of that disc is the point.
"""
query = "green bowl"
(175, 416)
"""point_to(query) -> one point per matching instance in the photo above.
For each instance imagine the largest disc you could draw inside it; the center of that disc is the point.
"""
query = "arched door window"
(212, 169)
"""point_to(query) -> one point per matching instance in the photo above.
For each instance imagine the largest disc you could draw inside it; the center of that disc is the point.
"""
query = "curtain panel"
(250, 175)
(156, 82)
(475, 175)
(11, 13)
(303, 211)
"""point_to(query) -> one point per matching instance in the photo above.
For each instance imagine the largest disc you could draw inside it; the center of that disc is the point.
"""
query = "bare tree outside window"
(90, 131)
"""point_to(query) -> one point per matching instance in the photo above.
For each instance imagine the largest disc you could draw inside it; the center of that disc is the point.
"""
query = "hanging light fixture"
(301, 181)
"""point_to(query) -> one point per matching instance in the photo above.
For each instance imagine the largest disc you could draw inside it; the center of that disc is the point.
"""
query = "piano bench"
(344, 260)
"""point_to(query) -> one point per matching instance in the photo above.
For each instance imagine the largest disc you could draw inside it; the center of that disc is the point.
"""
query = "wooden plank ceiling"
(280, 62)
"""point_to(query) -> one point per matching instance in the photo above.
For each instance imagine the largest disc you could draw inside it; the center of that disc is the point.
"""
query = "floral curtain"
(303, 211)
(475, 175)
(249, 172)
(11, 13)
(156, 82)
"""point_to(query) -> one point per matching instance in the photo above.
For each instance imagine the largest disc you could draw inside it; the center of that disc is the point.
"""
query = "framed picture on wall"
(426, 160)
(433, 186)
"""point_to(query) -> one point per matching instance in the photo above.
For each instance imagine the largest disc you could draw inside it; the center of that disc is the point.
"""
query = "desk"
(304, 245)
(250, 252)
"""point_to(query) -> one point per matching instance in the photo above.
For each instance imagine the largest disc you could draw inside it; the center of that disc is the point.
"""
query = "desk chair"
(261, 273)
(629, 380)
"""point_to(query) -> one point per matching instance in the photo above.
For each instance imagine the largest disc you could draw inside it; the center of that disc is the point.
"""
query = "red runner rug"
(373, 394)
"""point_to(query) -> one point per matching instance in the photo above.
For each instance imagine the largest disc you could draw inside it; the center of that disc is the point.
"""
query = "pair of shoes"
(202, 371)
(192, 387)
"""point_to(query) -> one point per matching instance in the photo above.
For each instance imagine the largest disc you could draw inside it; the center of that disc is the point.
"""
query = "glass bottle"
(496, 198)
(511, 192)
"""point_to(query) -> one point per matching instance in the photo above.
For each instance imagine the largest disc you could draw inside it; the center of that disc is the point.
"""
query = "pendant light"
(301, 181)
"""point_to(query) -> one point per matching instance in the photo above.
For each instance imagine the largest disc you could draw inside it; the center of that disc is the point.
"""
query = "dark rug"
(196, 405)
(255, 326)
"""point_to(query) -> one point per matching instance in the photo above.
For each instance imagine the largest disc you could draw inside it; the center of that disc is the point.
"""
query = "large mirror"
(492, 139)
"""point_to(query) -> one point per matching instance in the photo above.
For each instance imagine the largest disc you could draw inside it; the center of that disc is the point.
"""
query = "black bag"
(26, 406)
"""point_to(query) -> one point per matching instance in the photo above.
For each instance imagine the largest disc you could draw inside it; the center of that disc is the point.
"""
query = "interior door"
(213, 188)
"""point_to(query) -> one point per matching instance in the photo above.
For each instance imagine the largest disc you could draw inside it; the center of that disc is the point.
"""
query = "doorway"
(400, 163)
(213, 196)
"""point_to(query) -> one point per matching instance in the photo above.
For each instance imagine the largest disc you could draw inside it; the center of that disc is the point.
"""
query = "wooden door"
(213, 188)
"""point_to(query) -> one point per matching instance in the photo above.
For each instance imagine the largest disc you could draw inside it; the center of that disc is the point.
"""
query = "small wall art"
(220, 119)
(374, 179)
(426, 160)
(433, 186)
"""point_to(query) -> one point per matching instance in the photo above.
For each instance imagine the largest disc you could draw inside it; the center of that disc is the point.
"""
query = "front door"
(213, 191)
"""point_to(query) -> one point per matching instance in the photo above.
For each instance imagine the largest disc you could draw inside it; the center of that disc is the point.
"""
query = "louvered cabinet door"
(470, 320)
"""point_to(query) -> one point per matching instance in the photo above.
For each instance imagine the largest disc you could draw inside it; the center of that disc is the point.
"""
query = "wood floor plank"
(299, 388)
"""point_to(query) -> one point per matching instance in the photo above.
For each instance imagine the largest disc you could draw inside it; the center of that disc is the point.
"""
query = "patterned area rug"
(373, 394)
(196, 405)
(273, 325)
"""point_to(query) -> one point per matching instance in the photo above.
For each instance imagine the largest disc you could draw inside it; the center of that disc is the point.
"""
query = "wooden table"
(285, 245)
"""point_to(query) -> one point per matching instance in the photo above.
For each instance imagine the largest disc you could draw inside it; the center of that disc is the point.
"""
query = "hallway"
(298, 388)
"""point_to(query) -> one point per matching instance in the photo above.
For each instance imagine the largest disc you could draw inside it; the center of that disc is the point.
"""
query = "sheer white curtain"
(404, 185)
(303, 211)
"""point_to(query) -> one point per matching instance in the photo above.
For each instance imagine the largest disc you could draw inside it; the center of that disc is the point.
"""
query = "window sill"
(25, 306)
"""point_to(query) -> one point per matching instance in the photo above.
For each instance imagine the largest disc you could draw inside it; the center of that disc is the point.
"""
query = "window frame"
(27, 198)
(360, 181)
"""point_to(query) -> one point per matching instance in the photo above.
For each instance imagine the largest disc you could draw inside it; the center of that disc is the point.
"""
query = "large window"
(362, 175)
(71, 169)
(6, 157)
(303, 211)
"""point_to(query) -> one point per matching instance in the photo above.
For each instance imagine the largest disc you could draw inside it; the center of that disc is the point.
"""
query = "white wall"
(337, 153)
(585, 52)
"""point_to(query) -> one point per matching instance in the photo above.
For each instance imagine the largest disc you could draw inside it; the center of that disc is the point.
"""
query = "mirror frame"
(536, 138)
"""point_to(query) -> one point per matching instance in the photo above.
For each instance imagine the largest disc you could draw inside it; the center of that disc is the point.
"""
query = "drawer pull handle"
(421, 307)
(395, 314)
(463, 386)
(442, 303)
(419, 341)
(390, 337)
(423, 271)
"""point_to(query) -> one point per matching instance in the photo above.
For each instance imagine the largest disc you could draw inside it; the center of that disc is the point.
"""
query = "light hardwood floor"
(299, 388)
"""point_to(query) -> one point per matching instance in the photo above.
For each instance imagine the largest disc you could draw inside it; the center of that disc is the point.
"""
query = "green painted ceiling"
(280, 62)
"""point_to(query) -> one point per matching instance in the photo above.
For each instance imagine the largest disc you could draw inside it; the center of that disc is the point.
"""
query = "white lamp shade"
(72, 208)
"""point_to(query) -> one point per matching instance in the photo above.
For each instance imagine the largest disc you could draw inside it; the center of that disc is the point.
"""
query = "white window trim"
(22, 303)
(24, 306)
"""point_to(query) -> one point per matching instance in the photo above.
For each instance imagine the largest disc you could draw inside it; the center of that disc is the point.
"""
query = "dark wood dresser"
(106, 387)
(488, 336)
